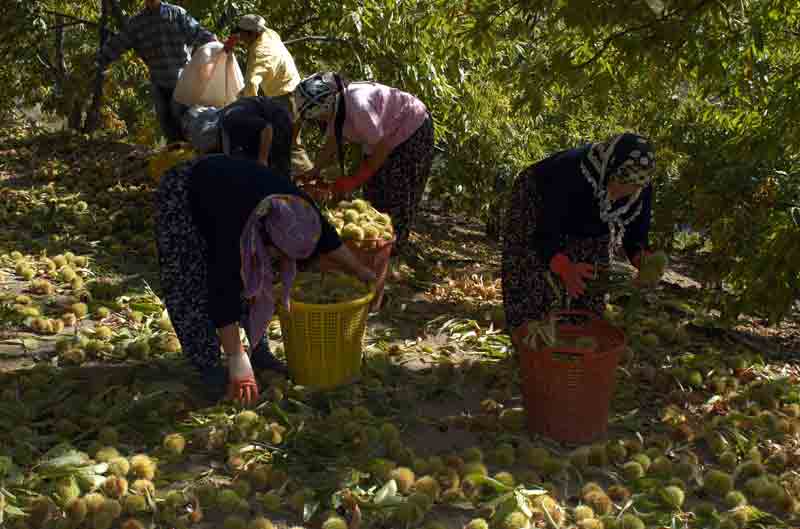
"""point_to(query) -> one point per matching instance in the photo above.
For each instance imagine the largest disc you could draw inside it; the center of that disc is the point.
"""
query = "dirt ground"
(441, 306)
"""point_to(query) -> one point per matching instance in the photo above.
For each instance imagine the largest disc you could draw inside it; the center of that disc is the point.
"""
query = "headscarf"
(319, 95)
(291, 224)
(316, 96)
(625, 158)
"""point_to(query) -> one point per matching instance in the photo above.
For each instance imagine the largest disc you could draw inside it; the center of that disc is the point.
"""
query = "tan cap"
(254, 23)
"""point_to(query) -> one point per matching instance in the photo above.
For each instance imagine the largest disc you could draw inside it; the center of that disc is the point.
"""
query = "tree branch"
(614, 36)
(609, 40)
(503, 12)
(299, 25)
(319, 39)
(116, 13)
(534, 21)
(93, 114)
(45, 60)
(330, 39)
(61, 63)
(70, 17)
(68, 24)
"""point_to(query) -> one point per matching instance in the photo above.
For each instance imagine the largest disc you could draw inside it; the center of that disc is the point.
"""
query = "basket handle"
(551, 353)
(588, 315)
(556, 354)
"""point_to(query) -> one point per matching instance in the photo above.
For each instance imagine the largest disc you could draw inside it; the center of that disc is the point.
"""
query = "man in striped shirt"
(161, 35)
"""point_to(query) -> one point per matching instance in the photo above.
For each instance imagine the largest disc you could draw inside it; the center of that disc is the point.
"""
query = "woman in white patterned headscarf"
(568, 213)
(395, 131)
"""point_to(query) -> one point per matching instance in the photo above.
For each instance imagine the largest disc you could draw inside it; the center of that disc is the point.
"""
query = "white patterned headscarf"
(626, 158)
(316, 96)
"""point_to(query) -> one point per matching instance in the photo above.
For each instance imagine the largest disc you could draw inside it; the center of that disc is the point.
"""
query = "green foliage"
(713, 84)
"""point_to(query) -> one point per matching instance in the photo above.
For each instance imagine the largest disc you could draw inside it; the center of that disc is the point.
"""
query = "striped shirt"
(161, 38)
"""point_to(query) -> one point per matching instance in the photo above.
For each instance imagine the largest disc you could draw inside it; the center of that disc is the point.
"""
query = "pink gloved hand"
(573, 275)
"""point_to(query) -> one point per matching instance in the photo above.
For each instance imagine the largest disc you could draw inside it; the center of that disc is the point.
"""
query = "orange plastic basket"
(567, 390)
(375, 255)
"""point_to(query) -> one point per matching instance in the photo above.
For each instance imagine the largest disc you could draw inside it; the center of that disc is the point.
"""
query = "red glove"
(573, 275)
(345, 185)
(244, 390)
(636, 260)
(230, 42)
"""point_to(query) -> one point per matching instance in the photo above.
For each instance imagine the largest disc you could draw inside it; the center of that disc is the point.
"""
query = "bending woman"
(258, 128)
(221, 222)
(567, 214)
(393, 127)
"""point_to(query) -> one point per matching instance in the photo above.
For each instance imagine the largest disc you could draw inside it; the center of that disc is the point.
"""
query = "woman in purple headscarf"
(223, 223)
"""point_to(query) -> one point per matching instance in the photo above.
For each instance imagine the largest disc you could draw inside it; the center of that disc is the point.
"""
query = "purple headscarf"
(292, 225)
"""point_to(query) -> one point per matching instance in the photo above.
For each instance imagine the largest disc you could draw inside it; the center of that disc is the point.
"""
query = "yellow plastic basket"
(323, 343)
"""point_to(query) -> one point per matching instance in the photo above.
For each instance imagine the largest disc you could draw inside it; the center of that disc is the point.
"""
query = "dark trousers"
(169, 112)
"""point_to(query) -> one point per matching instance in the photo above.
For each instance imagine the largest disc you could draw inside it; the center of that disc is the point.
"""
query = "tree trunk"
(116, 13)
(494, 222)
(494, 219)
(75, 118)
(60, 63)
(93, 115)
(66, 99)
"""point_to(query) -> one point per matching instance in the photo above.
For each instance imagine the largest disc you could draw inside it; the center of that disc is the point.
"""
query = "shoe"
(215, 383)
(262, 359)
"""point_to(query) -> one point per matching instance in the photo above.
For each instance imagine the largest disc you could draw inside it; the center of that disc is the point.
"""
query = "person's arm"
(637, 233)
(549, 239)
(241, 378)
(252, 77)
(380, 152)
(324, 156)
(331, 245)
(223, 271)
(366, 113)
(266, 145)
(262, 64)
(196, 35)
(230, 339)
(224, 293)
(344, 257)
(117, 45)
(366, 170)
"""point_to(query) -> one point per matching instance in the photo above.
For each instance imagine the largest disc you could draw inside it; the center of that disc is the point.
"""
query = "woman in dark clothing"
(221, 221)
(260, 129)
(567, 214)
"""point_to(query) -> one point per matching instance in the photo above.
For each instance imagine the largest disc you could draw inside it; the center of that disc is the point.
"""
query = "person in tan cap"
(271, 68)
